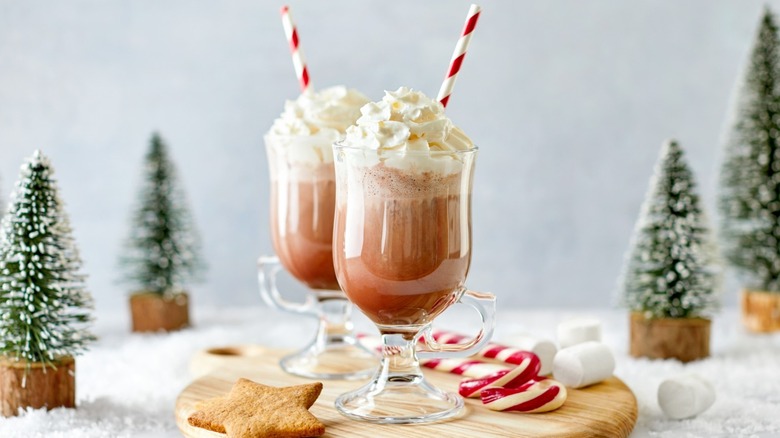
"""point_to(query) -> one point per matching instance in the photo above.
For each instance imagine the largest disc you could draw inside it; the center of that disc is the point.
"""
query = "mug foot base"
(333, 362)
(399, 402)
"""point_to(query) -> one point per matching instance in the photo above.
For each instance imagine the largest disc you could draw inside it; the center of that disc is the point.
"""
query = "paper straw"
(458, 55)
(291, 32)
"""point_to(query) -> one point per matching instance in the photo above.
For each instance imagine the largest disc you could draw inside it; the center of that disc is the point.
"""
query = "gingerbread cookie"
(255, 410)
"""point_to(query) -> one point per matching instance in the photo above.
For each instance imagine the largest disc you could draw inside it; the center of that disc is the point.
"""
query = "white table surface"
(127, 384)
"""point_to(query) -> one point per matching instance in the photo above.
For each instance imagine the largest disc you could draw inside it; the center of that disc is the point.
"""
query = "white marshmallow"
(543, 348)
(577, 330)
(583, 364)
(685, 396)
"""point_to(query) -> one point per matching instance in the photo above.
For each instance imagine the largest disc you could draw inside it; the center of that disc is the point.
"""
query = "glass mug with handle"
(402, 248)
(302, 207)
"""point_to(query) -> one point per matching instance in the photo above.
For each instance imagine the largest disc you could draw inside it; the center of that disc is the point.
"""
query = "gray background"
(569, 101)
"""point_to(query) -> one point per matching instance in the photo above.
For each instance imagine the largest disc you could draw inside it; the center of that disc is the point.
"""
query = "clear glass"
(402, 250)
(303, 196)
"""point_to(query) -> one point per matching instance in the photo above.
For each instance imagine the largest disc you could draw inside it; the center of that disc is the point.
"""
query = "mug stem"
(334, 353)
(335, 317)
(399, 359)
(399, 392)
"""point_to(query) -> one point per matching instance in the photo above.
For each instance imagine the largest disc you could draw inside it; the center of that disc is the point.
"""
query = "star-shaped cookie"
(254, 410)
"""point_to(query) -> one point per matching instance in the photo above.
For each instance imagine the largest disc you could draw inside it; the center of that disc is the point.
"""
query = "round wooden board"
(605, 409)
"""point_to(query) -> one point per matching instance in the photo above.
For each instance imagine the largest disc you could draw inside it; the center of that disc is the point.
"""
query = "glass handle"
(267, 269)
(485, 305)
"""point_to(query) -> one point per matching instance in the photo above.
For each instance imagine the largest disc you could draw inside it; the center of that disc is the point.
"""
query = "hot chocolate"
(303, 188)
(402, 248)
(403, 231)
(303, 199)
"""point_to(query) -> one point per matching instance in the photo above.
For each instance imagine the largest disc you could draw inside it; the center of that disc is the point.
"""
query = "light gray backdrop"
(569, 101)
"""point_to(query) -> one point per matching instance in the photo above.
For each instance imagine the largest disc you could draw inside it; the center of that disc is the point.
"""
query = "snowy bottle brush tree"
(749, 190)
(44, 306)
(671, 271)
(43, 300)
(162, 253)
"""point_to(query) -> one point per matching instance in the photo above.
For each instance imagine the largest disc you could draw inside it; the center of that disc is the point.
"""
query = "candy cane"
(535, 396)
(464, 367)
(545, 350)
(521, 374)
(460, 366)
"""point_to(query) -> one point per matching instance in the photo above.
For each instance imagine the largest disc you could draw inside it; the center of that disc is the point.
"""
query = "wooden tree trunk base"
(42, 387)
(761, 311)
(685, 339)
(152, 312)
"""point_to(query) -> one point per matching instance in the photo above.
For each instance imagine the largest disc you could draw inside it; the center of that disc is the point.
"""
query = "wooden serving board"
(607, 409)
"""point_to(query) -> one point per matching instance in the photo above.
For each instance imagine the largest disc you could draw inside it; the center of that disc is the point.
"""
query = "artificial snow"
(127, 384)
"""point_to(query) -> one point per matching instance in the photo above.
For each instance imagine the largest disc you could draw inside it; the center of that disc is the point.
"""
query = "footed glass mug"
(402, 249)
(303, 196)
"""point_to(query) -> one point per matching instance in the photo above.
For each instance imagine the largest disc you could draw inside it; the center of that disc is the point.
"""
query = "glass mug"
(402, 249)
(302, 202)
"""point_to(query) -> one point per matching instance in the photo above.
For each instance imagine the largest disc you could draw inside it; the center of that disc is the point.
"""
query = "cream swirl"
(310, 124)
(406, 120)
(328, 111)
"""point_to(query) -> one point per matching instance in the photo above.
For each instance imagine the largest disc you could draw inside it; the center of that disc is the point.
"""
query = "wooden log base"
(686, 339)
(153, 312)
(760, 311)
(41, 388)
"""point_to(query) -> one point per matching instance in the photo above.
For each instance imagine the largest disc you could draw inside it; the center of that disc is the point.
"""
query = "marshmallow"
(542, 348)
(583, 364)
(577, 330)
(685, 396)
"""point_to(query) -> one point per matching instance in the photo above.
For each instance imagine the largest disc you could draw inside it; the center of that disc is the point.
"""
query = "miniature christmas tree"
(670, 272)
(44, 307)
(749, 198)
(163, 250)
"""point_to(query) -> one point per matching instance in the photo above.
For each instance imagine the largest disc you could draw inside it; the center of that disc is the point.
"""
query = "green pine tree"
(671, 268)
(749, 191)
(44, 306)
(163, 250)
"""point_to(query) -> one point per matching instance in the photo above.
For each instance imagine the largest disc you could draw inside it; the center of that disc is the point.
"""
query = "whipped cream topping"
(310, 124)
(331, 110)
(406, 120)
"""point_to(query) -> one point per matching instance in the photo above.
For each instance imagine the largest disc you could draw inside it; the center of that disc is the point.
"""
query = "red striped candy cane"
(513, 378)
(457, 56)
(512, 355)
(460, 366)
(463, 367)
(538, 395)
(291, 32)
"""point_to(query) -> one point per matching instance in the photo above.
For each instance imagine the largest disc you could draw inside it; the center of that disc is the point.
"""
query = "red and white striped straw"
(291, 32)
(458, 55)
